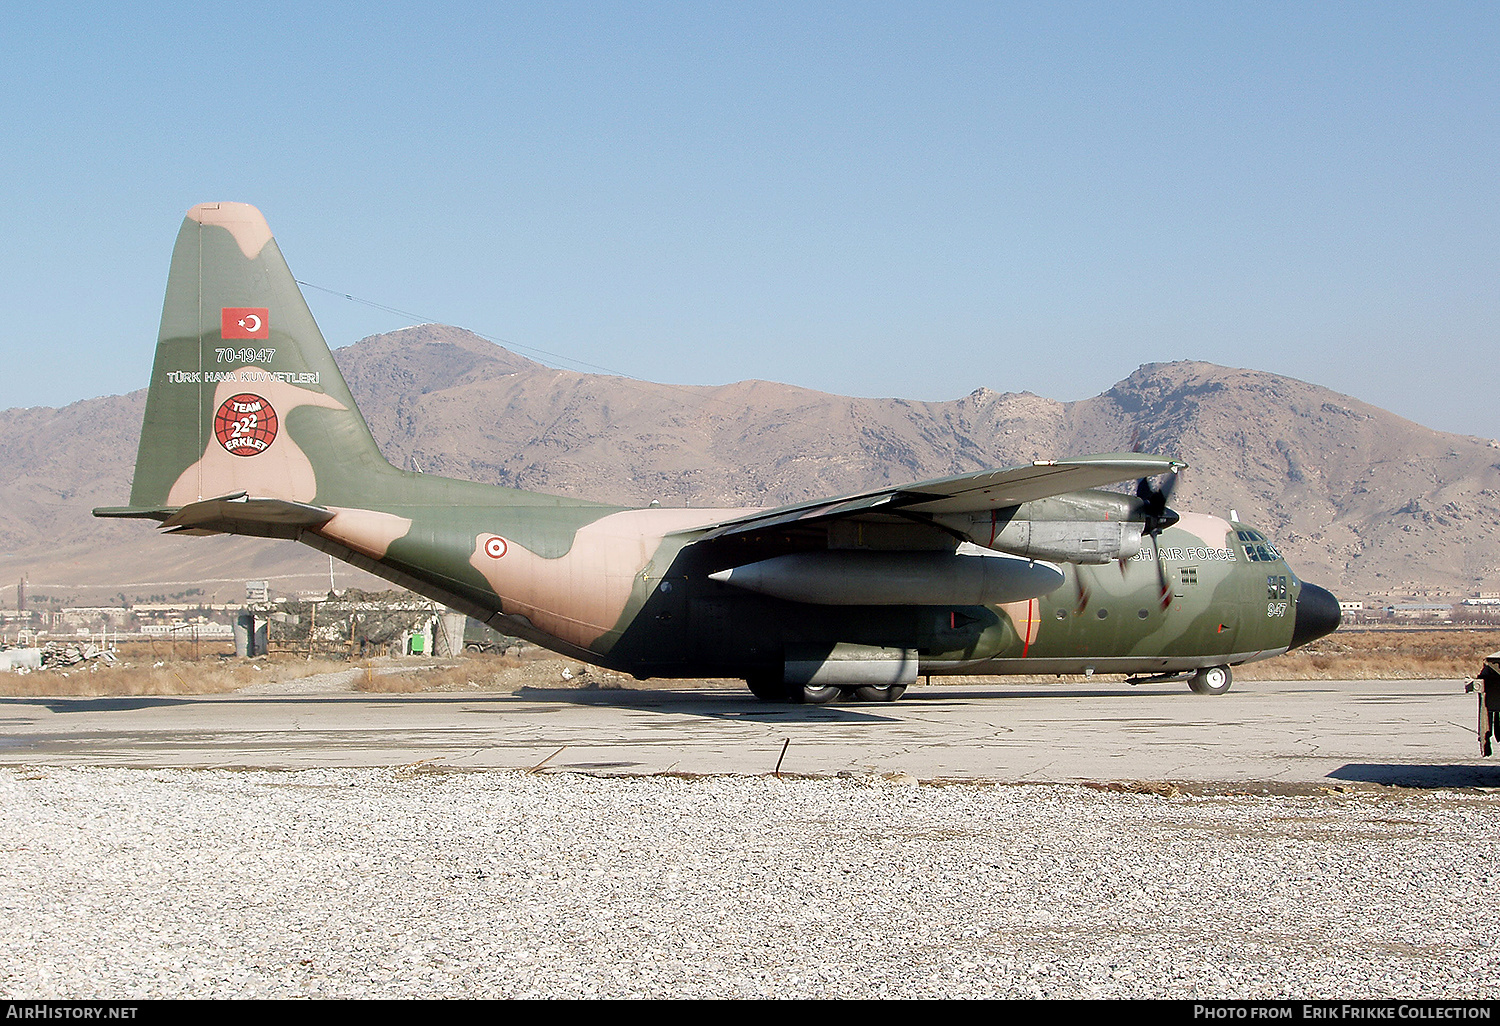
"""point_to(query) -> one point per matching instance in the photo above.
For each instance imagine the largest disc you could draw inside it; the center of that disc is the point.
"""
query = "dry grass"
(1354, 654)
(1347, 655)
(475, 672)
(533, 668)
(127, 676)
(1407, 654)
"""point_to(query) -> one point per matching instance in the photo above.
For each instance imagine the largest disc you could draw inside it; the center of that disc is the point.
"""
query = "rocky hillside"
(1363, 501)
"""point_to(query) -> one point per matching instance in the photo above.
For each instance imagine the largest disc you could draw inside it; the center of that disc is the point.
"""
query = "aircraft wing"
(966, 493)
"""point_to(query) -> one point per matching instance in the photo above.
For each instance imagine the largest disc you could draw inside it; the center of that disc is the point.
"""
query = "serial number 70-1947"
(245, 355)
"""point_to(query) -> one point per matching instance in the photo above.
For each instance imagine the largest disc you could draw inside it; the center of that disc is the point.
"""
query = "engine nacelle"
(1063, 541)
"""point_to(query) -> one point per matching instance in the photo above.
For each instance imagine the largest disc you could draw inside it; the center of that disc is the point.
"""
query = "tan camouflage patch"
(581, 595)
(1026, 618)
(1211, 530)
(365, 530)
(282, 471)
(243, 221)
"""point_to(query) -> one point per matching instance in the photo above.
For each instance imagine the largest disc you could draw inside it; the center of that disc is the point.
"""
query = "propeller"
(1154, 498)
(1157, 516)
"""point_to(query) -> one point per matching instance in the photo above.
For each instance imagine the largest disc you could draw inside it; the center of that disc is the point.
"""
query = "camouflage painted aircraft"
(251, 430)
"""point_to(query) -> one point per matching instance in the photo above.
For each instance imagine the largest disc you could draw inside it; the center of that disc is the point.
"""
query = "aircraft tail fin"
(245, 397)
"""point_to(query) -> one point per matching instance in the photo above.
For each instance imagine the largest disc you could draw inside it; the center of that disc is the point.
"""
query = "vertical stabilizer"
(244, 395)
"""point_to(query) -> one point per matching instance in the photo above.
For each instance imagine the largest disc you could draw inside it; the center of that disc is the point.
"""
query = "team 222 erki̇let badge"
(245, 424)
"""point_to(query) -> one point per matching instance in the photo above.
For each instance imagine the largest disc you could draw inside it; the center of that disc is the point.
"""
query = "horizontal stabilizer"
(234, 514)
(134, 512)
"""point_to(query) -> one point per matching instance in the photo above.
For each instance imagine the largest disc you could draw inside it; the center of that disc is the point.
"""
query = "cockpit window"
(1257, 549)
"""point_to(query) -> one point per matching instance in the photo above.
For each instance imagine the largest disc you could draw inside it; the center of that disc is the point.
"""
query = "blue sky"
(908, 200)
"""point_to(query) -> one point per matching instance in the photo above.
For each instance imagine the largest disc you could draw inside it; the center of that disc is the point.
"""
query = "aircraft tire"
(814, 695)
(879, 692)
(1211, 680)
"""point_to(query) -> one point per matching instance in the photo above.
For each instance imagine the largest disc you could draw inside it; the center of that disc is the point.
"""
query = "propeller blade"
(1161, 575)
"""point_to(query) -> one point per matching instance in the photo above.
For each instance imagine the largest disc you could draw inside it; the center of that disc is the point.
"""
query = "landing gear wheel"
(1212, 680)
(879, 692)
(814, 695)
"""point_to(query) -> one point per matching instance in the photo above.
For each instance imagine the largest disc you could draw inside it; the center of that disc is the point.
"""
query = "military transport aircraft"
(250, 429)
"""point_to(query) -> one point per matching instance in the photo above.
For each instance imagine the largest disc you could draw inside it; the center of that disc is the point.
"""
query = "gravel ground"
(122, 884)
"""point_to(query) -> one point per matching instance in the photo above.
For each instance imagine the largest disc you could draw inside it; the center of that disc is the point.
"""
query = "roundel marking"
(495, 548)
(246, 424)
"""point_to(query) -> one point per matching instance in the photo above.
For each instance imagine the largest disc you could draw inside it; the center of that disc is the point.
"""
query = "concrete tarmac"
(1281, 735)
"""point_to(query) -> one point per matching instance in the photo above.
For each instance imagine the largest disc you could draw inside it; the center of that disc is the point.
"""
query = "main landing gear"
(1211, 680)
(811, 695)
(770, 688)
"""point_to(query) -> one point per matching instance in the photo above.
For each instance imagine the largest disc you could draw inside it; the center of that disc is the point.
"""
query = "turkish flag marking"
(244, 322)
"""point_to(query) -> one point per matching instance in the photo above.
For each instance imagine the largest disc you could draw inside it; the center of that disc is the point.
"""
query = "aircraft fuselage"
(633, 590)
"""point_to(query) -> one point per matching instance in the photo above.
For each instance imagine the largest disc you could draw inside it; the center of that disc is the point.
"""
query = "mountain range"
(1361, 501)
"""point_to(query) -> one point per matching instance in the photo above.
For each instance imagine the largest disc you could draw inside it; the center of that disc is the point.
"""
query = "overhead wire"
(693, 395)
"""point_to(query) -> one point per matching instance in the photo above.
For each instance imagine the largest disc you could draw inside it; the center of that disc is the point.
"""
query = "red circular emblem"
(495, 548)
(245, 424)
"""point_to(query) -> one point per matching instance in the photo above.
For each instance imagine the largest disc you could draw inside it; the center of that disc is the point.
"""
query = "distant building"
(92, 617)
(1420, 611)
(189, 631)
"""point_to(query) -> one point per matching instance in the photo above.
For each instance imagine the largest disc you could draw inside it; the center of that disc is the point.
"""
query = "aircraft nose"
(1317, 614)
